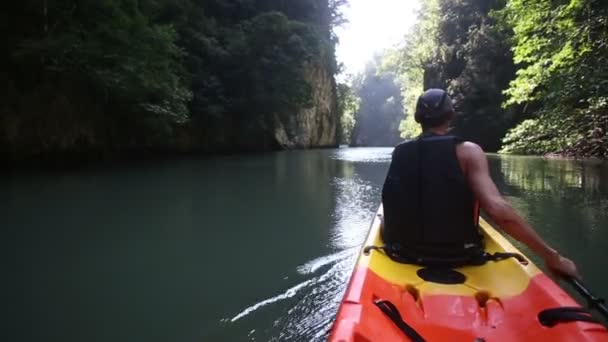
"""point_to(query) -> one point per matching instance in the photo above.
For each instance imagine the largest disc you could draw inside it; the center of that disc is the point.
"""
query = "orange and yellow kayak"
(498, 301)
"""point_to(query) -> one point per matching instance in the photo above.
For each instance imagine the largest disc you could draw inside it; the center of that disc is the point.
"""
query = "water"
(256, 248)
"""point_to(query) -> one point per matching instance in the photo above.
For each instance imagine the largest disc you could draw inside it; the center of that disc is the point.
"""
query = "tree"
(561, 48)
(106, 54)
(348, 105)
(418, 52)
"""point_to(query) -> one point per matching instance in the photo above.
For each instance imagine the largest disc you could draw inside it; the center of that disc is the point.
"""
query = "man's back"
(429, 207)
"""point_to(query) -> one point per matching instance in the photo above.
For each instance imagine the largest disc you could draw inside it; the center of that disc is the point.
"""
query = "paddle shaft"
(593, 301)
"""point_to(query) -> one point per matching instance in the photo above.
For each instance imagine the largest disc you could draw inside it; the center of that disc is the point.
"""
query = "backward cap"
(433, 104)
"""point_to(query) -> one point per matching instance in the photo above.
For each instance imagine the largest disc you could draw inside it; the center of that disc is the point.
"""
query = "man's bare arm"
(501, 212)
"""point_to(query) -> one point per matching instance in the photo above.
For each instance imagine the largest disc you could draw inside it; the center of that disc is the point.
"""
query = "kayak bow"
(500, 301)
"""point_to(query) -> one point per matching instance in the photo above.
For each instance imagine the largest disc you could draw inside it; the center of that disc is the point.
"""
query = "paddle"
(592, 301)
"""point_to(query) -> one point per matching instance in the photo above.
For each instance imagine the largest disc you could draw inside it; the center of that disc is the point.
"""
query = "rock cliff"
(316, 125)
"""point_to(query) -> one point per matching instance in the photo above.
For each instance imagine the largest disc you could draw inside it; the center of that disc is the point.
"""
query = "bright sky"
(373, 26)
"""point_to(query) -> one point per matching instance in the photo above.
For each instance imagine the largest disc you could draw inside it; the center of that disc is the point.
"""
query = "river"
(238, 248)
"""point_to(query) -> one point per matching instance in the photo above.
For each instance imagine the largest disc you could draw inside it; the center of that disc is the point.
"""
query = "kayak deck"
(498, 301)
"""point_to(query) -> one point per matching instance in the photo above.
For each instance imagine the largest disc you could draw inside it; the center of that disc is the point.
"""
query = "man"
(433, 191)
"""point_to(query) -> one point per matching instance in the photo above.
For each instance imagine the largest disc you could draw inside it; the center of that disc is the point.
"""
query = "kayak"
(506, 300)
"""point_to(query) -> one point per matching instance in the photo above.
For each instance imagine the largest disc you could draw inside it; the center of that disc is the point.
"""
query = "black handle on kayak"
(592, 301)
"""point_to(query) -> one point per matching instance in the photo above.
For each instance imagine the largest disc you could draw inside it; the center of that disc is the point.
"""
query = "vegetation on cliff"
(116, 75)
(562, 50)
(348, 105)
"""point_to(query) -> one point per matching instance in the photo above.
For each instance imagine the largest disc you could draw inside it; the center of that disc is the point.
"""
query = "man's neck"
(443, 130)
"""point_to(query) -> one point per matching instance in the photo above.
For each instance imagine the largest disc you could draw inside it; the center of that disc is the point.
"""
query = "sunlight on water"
(365, 155)
(313, 316)
(353, 213)
(309, 317)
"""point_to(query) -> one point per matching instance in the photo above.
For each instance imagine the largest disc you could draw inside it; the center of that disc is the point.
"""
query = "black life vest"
(429, 208)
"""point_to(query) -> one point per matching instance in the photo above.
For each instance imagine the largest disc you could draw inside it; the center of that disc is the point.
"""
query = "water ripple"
(314, 265)
(287, 294)
(311, 316)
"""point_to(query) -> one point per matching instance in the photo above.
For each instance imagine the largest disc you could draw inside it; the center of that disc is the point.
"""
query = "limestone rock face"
(317, 125)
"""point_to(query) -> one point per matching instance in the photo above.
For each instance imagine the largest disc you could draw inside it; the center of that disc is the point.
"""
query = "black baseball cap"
(433, 106)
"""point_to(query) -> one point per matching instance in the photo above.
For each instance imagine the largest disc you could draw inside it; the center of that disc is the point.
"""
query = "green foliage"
(546, 35)
(248, 74)
(581, 133)
(477, 89)
(107, 54)
(409, 128)
(348, 105)
(531, 137)
(273, 60)
(418, 52)
(562, 49)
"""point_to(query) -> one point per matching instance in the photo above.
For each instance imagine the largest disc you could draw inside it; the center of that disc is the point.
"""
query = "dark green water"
(253, 248)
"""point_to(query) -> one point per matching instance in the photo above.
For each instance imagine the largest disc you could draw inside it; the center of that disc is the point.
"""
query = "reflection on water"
(567, 203)
(256, 248)
(533, 174)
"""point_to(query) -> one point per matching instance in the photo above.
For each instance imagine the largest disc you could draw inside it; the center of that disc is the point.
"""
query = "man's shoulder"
(405, 144)
(403, 149)
(468, 151)
(406, 141)
(471, 147)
